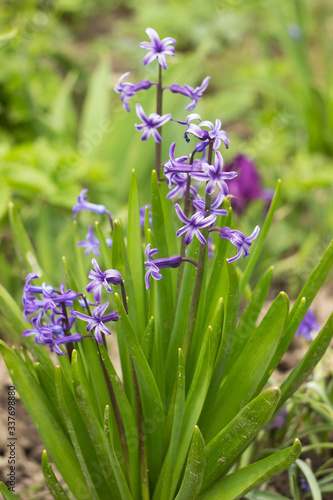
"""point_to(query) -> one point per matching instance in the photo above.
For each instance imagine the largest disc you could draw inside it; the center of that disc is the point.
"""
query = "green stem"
(200, 274)
(158, 145)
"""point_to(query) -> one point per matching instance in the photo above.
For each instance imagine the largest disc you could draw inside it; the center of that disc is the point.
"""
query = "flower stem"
(110, 219)
(158, 145)
(69, 345)
(200, 274)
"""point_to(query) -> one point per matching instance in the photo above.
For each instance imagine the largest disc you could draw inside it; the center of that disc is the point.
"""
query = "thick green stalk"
(158, 145)
(200, 274)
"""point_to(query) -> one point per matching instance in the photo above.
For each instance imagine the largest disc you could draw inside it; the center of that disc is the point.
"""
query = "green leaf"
(311, 479)
(315, 352)
(252, 260)
(121, 481)
(164, 289)
(246, 375)
(51, 481)
(230, 320)
(247, 323)
(148, 339)
(199, 387)
(163, 489)
(56, 442)
(82, 442)
(22, 243)
(134, 251)
(7, 494)
(314, 282)
(237, 484)
(264, 495)
(194, 470)
(95, 115)
(225, 448)
(150, 398)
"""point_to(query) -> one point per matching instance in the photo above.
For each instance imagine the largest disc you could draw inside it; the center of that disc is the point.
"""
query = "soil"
(29, 478)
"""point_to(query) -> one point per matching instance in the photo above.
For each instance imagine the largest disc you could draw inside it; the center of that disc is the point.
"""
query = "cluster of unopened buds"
(198, 215)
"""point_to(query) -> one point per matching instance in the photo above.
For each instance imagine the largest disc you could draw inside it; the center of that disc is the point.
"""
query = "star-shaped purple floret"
(214, 133)
(128, 90)
(91, 244)
(239, 239)
(100, 279)
(150, 124)
(200, 203)
(192, 226)
(193, 94)
(214, 176)
(157, 48)
(97, 320)
(83, 204)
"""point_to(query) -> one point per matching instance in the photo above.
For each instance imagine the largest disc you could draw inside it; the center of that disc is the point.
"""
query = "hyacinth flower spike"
(150, 124)
(214, 134)
(157, 48)
(100, 279)
(91, 244)
(97, 320)
(308, 324)
(192, 226)
(238, 239)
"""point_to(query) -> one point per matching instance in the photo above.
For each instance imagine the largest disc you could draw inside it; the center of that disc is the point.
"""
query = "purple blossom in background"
(192, 226)
(91, 244)
(213, 134)
(200, 204)
(193, 94)
(246, 187)
(83, 204)
(239, 239)
(128, 90)
(308, 323)
(154, 265)
(150, 124)
(214, 176)
(279, 421)
(210, 248)
(100, 279)
(143, 214)
(97, 320)
(157, 48)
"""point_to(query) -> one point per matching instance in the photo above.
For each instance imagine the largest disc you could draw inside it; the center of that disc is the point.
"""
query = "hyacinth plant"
(193, 391)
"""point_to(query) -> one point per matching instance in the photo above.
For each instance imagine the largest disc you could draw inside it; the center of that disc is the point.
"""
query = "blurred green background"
(63, 128)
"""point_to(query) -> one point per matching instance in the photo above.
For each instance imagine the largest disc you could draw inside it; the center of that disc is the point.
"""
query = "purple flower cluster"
(52, 326)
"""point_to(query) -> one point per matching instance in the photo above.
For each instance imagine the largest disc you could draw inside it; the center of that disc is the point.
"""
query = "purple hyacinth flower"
(200, 204)
(157, 48)
(213, 134)
(153, 266)
(128, 90)
(83, 204)
(177, 184)
(63, 297)
(192, 226)
(214, 176)
(91, 244)
(100, 279)
(239, 239)
(193, 94)
(97, 320)
(143, 215)
(150, 124)
(308, 323)
(30, 303)
(51, 335)
(279, 421)
(246, 187)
